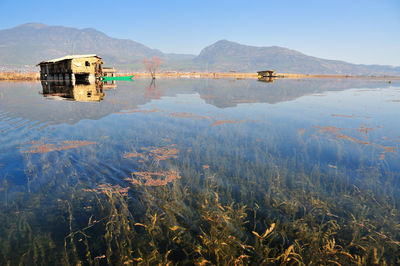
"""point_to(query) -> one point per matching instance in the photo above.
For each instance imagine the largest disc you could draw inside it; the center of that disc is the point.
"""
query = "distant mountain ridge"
(31, 43)
(224, 55)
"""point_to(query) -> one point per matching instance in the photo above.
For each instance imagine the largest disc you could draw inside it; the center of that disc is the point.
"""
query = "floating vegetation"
(350, 116)
(220, 122)
(188, 115)
(301, 131)
(336, 132)
(54, 145)
(364, 130)
(157, 153)
(345, 116)
(387, 149)
(145, 111)
(107, 188)
(132, 155)
(163, 153)
(160, 178)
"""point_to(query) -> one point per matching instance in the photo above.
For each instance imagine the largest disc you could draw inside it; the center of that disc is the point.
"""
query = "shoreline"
(243, 75)
(35, 76)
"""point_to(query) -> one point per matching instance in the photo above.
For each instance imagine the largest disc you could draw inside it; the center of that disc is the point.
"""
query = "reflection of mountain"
(23, 102)
(78, 92)
(224, 93)
(228, 94)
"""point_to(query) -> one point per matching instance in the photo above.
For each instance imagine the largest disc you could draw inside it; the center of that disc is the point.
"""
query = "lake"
(200, 171)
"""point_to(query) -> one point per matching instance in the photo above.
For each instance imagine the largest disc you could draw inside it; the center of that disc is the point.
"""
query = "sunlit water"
(192, 170)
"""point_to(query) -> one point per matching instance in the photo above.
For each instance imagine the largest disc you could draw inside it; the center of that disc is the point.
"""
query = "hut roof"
(69, 57)
(266, 71)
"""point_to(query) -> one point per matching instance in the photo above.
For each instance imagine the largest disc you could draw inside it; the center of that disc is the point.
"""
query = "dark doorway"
(82, 78)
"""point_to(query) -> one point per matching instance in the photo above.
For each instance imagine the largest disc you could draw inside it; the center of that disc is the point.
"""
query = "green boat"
(116, 78)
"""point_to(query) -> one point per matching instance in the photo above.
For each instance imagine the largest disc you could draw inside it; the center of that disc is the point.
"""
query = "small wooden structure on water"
(74, 68)
(266, 75)
(109, 72)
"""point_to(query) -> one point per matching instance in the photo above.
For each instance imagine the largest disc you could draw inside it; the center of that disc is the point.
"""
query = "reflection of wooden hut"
(81, 68)
(57, 90)
(89, 92)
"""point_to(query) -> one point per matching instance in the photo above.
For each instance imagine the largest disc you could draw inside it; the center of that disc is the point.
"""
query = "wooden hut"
(266, 74)
(75, 68)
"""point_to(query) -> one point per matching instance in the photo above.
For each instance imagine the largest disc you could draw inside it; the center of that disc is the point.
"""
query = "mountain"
(225, 55)
(31, 43)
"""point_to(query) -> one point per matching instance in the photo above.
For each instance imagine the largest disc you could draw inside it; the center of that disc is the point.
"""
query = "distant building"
(266, 75)
(74, 68)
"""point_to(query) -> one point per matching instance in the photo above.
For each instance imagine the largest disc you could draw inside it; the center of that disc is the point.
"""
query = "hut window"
(87, 63)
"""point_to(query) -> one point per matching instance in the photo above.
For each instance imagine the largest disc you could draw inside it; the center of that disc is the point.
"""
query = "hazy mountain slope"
(31, 43)
(225, 55)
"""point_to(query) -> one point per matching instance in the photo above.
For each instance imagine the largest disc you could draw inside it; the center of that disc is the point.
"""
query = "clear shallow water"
(197, 171)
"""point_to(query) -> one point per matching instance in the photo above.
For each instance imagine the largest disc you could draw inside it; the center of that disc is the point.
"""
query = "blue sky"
(363, 32)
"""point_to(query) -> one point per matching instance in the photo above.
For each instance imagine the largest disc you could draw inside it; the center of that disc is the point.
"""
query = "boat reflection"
(84, 92)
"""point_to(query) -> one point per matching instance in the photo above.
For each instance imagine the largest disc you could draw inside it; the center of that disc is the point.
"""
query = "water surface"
(217, 171)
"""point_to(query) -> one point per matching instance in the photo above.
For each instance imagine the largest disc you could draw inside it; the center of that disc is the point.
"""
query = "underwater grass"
(288, 217)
